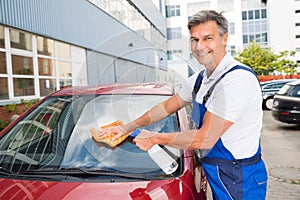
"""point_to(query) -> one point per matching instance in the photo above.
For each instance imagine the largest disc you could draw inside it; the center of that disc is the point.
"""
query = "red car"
(49, 152)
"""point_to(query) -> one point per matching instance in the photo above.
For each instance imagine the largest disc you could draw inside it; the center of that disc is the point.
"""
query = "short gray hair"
(209, 15)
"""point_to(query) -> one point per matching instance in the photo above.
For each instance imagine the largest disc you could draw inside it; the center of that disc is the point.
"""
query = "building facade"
(50, 44)
(273, 24)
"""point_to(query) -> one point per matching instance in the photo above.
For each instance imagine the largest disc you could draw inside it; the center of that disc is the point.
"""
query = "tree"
(264, 61)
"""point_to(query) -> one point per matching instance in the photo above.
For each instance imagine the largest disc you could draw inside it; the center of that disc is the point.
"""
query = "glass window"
(63, 50)
(2, 41)
(65, 83)
(245, 27)
(257, 26)
(23, 86)
(245, 39)
(251, 27)
(263, 13)
(251, 38)
(46, 67)
(3, 69)
(172, 11)
(20, 40)
(22, 65)
(244, 15)
(257, 14)
(257, 38)
(250, 14)
(64, 69)
(45, 46)
(173, 33)
(4, 88)
(264, 37)
(47, 86)
(231, 28)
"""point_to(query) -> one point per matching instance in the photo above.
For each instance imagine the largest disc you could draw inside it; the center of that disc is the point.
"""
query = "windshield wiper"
(10, 173)
(90, 172)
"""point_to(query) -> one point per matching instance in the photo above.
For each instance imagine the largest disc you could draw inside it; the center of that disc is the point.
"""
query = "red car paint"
(182, 187)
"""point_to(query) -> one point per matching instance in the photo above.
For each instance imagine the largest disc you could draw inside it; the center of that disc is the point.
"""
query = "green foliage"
(264, 61)
(3, 124)
(11, 107)
(29, 103)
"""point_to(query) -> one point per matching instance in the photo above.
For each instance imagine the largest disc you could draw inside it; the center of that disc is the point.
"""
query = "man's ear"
(224, 39)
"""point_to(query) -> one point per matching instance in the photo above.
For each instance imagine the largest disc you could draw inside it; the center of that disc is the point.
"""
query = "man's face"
(207, 46)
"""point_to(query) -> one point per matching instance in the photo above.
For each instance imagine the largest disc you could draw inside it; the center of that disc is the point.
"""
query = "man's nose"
(199, 45)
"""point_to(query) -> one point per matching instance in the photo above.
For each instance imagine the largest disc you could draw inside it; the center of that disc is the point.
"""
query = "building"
(46, 45)
(273, 24)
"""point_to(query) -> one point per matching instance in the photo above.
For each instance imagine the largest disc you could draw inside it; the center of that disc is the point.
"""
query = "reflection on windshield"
(83, 151)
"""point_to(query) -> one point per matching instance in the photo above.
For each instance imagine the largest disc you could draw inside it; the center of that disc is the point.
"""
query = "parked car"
(49, 153)
(269, 89)
(286, 107)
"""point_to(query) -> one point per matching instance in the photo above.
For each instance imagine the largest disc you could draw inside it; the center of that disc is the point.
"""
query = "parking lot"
(281, 152)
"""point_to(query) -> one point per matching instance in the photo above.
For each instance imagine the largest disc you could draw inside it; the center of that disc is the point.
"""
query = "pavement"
(281, 152)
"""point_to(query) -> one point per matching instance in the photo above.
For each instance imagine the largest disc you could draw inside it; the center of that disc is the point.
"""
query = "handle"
(135, 133)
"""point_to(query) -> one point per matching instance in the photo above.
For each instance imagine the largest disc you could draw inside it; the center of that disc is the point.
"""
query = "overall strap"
(197, 84)
(206, 97)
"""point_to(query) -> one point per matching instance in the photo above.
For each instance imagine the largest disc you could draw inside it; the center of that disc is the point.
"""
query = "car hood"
(175, 188)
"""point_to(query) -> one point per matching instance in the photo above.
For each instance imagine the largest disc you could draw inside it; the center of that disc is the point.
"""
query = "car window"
(284, 90)
(83, 151)
(30, 141)
(295, 92)
(280, 85)
(269, 86)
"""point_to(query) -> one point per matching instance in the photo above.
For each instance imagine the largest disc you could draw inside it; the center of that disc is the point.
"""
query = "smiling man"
(227, 111)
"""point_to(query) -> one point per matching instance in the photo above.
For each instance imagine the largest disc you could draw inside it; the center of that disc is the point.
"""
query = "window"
(244, 15)
(231, 28)
(36, 79)
(245, 39)
(23, 87)
(22, 65)
(20, 40)
(4, 88)
(174, 54)
(250, 14)
(3, 69)
(257, 14)
(2, 43)
(45, 46)
(263, 13)
(172, 11)
(173, 33)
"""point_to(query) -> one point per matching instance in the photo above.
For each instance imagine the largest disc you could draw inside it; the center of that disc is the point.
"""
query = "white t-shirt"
(236, 98)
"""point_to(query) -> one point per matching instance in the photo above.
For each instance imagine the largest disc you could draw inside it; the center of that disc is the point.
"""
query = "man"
(226, 109)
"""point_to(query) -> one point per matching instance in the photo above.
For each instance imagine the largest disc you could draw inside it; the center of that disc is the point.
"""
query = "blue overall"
(228, 177)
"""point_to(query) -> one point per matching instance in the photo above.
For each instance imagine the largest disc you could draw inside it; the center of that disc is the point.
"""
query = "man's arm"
(204, 138)
(155, 114)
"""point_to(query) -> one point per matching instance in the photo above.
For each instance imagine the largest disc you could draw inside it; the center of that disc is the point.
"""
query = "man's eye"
(193, 40)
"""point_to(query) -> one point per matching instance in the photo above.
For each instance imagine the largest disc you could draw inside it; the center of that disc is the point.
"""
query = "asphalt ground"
(281, 152)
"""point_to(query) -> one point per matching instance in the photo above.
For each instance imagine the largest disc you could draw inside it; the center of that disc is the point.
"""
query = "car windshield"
(290, 90)
(57, 135)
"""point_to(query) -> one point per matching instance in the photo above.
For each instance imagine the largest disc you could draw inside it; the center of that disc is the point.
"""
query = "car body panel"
(286, 107)
(182, 186)
(270, 88)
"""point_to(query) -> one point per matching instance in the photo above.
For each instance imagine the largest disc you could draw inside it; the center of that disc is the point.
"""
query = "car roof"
(123, 88)
(277, 81)
(296, 82)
